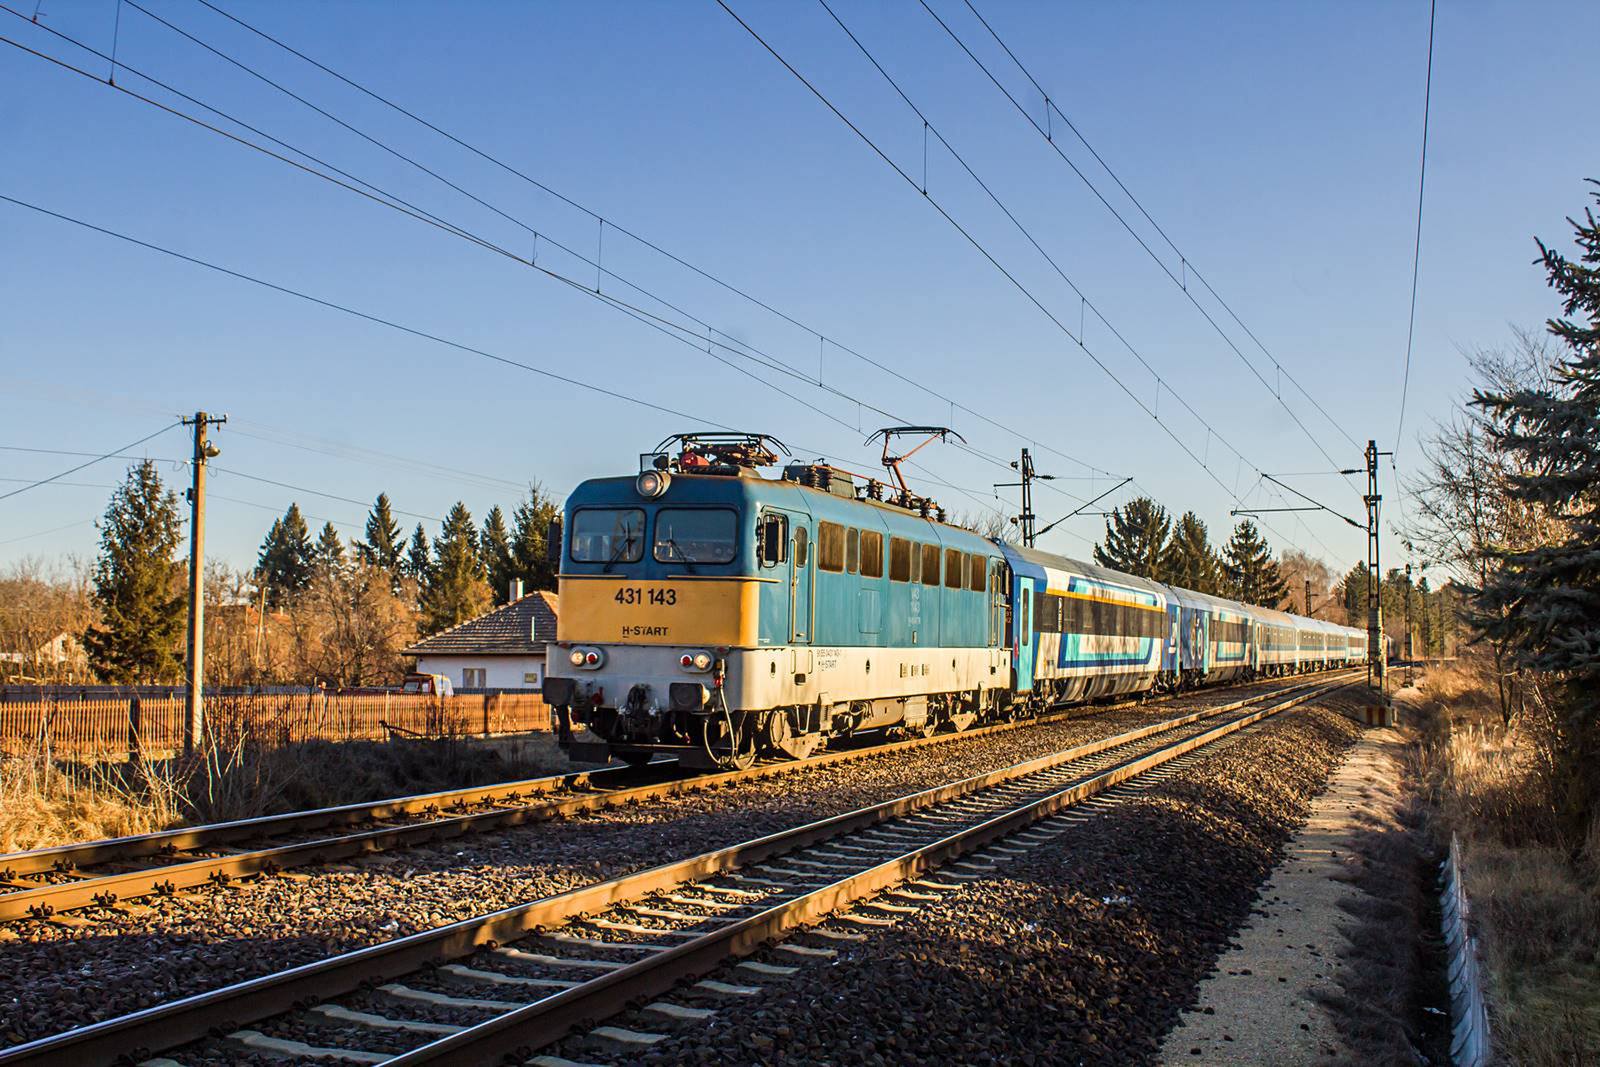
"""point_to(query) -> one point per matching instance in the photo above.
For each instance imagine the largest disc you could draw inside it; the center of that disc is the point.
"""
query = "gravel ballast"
(1084, 950)
(57, 975)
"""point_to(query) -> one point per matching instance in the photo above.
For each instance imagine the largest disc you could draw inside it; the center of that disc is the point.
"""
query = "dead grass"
(1536, 912)
(45, 802)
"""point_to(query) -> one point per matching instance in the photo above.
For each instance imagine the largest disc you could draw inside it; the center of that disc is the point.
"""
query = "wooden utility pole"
(194, 705)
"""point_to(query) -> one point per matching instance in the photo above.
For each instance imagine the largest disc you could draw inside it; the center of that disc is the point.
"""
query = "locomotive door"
(1022, 641)
(799, 582)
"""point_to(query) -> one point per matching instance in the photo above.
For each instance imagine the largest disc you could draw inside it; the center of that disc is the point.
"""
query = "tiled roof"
(521, 627)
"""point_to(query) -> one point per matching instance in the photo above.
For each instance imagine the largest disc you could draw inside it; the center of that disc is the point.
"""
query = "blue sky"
(1275, 143)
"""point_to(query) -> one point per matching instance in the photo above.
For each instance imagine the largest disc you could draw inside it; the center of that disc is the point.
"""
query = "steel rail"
(105, 890)
(549, 1019)
(168, 1025)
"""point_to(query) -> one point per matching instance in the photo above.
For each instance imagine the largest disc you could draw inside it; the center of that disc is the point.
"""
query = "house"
(503, 649)
(60, 659)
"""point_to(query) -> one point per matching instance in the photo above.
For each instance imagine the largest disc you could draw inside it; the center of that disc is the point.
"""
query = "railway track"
(516, 980)
(47, 882)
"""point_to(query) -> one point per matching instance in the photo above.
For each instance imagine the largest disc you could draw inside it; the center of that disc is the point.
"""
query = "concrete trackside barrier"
(1469, 1018)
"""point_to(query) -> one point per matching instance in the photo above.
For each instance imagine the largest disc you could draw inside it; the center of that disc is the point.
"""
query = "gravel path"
(56, 975)
(1083, 951)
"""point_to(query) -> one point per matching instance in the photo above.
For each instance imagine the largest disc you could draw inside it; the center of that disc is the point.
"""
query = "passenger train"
(717, 615)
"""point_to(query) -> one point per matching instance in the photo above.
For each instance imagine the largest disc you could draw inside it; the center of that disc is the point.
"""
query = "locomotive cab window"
(607, 535)
(696, 535)
(772, 537)
(953, 563)
(871, 554)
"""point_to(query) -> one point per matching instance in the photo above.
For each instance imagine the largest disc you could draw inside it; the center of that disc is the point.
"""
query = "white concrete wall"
(500, 672)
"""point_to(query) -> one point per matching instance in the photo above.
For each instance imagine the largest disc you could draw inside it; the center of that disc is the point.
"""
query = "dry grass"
(44, 801)
(1536, 912)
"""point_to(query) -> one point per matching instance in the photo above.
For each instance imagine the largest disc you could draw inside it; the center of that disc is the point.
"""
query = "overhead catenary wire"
(377, 195)
(739, 291)
(989, 256)
(1416, 252)
(1187, 265)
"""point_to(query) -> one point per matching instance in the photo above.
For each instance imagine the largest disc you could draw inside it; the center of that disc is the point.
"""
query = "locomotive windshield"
(608, 535)
(696, 535)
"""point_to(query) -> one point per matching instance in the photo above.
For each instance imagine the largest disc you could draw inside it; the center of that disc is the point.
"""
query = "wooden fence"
(113, 727)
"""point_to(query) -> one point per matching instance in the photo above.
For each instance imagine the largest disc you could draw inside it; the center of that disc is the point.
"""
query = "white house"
(504, 649)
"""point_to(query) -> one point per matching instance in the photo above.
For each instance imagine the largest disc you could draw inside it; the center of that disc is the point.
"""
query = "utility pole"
(1026, 520)
(194, 705)
(1409, 643)
(1376, 667)
(1310, 611)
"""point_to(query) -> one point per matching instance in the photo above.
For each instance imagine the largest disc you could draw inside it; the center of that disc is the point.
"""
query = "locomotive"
(714, 614)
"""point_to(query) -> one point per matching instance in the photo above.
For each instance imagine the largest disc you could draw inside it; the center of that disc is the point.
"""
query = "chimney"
(516, 589)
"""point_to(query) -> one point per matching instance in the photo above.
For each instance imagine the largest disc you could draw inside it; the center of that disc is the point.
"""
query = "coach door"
(1022, 619)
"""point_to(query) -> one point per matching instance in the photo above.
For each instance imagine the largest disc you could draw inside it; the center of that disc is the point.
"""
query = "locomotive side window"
(696, 535)
(900, 556)
(800, 540)
(871, 554)
(608, 535)
(852, 549)
(773, 534)
(953, 562)
(930, 564)
(977, 574)
(830, 546)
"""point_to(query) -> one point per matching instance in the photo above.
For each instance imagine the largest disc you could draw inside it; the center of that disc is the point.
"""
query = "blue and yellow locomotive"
(714, 614)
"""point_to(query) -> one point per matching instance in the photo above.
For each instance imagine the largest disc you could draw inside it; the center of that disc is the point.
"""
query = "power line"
(1416, 253)
(605, 221)
(380, 196)
(87, 463)
(317, 492)
(1026, 292)
(1187, 265)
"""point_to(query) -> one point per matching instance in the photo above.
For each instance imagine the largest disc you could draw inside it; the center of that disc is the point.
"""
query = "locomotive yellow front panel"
(610, 609)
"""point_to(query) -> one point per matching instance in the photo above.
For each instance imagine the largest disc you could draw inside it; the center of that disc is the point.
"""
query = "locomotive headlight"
(576, 658)
(695, 661)
(588, 659)
(652, 484)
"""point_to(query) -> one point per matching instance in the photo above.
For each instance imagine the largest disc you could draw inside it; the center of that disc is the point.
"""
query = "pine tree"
(284, 566)
(456, 588)
(1248, 570)
(138, 586)
(329, 553)
(383, 546)
(1544, 601)
(418, 562)
(530, 531)
(497, 560)
(1136, 539)
(1191, 562)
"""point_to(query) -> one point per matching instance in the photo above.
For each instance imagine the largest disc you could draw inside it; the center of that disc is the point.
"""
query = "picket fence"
(109, 728)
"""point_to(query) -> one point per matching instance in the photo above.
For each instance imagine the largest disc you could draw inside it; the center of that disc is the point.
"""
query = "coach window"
(852, 550)
(871, 554)
(930, 564)
(830, 546)
(899, 560)
(953, 562)
(977, 574)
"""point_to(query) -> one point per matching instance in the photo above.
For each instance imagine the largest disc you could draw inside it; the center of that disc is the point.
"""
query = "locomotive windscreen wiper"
(682, 555)
(627, 544)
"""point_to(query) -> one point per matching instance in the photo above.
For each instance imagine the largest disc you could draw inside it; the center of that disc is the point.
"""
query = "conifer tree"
(1249, 572)
(383, 546)
(530, 531)
(456, 587)
(287, 555)
(1543, 602)
(1191, 562)
(1136, 539)
(418, 561)
(329, 553)
(138, 586)
(497, 560)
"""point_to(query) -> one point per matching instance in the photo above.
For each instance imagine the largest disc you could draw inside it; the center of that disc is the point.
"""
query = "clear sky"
(1276, 144)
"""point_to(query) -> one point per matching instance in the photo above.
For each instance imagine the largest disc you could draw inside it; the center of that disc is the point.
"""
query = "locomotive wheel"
(779, 736)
